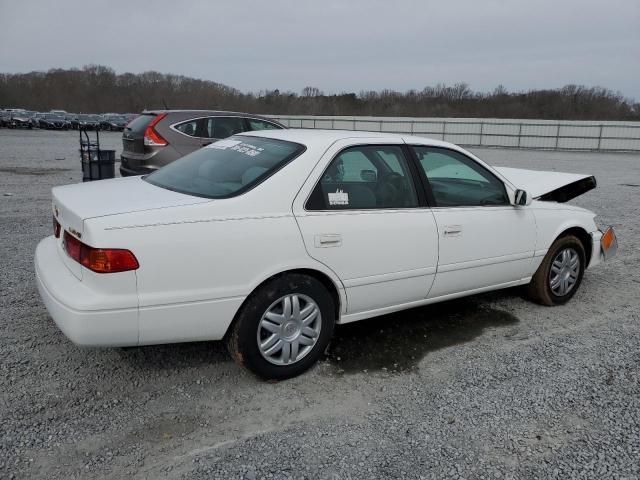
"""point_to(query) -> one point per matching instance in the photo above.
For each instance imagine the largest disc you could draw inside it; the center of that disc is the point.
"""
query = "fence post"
(412, 123)
(481, 131)
(314, 122)
(333, 124)
(354, 124)
(600, 137)
(444, 130)
(557, 135)
(519, 134)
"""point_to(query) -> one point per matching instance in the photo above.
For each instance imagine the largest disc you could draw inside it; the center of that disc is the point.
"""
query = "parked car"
(53, 121)
(267, 239)
(23, 119)
(61, 113)
(5, 118)
(159, 137)
(88, 122)
(114, 123)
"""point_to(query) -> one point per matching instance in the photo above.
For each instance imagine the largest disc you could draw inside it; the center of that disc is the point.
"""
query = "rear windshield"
(139, 124)
(226, 168)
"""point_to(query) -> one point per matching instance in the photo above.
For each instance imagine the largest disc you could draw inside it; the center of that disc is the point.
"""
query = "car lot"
(490, 386)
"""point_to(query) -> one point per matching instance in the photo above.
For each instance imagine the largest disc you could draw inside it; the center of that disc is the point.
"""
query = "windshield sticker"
(224, 144)
(247, 149)
(340, 197)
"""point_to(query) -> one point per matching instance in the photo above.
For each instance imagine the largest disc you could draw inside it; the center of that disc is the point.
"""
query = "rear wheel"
(283, 327)
(560, 273)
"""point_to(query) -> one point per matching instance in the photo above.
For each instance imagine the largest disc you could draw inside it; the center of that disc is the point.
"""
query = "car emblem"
(75, 232)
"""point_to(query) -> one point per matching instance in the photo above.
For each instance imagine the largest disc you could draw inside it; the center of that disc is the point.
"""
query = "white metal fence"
(539, 134)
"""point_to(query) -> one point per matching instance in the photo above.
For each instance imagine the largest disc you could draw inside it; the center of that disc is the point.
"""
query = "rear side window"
(192, 128)
(139, 124)
(223, 127)
(365, 177)
(255, 124)
(226, 168)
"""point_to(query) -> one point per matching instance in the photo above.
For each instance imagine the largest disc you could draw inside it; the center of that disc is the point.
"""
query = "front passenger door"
(484, 240)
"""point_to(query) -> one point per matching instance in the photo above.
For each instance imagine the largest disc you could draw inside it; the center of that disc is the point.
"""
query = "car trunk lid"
(549, 186)
(73, 204)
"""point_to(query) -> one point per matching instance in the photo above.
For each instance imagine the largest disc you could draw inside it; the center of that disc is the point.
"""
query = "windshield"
(226, 168)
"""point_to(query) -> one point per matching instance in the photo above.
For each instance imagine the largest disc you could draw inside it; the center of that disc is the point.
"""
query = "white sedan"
(268, 239)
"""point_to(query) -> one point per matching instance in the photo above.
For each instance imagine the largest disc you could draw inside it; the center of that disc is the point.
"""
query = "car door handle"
(328, 240)
(452, 231)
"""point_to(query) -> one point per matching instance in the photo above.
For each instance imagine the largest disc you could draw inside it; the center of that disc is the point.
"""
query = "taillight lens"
(153, 138)
(100, 260)
(56, 228)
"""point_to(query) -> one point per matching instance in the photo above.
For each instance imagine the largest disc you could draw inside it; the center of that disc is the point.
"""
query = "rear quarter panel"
(198, 263)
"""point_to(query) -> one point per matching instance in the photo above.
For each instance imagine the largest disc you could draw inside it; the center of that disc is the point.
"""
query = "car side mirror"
(521, 198)
(368, 175)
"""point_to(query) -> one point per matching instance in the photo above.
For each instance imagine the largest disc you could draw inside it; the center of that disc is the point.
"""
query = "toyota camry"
(269, 239)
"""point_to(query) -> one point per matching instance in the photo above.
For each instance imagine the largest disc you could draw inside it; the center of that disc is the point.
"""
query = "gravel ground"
(486, 387)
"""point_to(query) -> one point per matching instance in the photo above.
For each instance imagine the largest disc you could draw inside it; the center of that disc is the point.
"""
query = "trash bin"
(97, 164)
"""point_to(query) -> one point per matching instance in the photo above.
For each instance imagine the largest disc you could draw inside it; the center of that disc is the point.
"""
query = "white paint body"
(200, 258)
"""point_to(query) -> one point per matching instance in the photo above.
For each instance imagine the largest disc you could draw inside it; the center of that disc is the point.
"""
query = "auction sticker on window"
(247, 149)
(340, 197)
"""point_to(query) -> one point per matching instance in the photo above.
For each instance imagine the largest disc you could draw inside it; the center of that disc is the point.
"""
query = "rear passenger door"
(363, 215)
(217, 128)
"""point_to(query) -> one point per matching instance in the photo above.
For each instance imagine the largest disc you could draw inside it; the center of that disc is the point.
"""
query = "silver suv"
(156, 138)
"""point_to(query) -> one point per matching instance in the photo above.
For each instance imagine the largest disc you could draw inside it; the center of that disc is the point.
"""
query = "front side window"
(365, 177)
(456, 180)
(255, 124)
(223, 127)
(226, 168)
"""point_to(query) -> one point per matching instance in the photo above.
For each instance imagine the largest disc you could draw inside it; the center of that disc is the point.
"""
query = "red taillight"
(100, 260)
(56, 228)
(151, 137)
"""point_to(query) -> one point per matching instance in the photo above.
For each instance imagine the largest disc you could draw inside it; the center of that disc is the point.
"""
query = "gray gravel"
(487, 387)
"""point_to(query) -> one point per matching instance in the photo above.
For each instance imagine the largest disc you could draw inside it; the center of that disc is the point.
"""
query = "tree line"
(98, 89)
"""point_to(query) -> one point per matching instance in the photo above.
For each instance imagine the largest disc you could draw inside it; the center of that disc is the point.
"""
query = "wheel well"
(321, 277)
(584, 238)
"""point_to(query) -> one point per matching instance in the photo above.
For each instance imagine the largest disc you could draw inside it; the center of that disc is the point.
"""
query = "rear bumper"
(66, 297)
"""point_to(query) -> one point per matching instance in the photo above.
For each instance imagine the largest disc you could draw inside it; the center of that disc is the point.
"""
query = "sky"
(337, 46)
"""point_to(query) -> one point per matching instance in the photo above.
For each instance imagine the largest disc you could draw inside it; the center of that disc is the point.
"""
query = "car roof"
(309, 136)
(213, 112)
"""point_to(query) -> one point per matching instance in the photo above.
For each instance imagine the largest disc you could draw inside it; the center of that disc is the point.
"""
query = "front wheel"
(283, 327)
(560, 273)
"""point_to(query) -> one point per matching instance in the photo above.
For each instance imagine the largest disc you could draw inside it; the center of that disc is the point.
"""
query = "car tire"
(286, 327)
(551, 284)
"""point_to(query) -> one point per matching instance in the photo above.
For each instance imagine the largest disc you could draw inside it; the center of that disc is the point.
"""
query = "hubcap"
(289, 329)
(564, 272)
